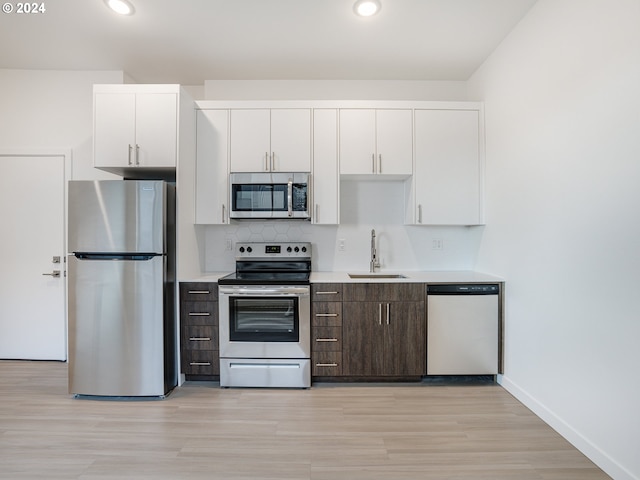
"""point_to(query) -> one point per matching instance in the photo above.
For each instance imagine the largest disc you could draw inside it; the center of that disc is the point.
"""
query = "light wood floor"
(390, 432)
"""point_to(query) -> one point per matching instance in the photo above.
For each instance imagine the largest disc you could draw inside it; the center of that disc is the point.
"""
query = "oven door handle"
(265, 291)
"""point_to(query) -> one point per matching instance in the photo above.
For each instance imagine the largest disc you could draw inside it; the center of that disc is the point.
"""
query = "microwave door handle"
(290, 197)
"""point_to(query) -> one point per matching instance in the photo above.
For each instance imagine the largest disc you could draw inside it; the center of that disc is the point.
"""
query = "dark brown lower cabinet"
(199, 330)
(384, 330)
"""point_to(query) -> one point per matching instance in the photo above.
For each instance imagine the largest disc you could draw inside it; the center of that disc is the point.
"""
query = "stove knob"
(249, 249)
(241, 249)
(296, 249)
(304, 249)
(289, 249)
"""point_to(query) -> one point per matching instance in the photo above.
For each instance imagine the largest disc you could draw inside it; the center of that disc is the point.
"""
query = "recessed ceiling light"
(366, 8)
(123, 7)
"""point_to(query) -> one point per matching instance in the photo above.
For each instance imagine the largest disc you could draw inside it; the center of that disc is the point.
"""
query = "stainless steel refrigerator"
(121, 288)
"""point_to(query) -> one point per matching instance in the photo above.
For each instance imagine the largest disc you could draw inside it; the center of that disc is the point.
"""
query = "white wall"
(52, 109)
(334, 90)
(364, 205)
(562, 109)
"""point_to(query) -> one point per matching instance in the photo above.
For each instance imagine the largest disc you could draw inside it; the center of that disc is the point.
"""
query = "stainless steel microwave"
(269, 195)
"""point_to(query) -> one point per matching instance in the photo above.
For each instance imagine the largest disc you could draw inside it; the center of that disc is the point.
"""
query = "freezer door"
(117, 216)
(116, 327)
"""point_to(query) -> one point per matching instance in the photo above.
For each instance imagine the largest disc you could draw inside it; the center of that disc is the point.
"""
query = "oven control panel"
(273, 250)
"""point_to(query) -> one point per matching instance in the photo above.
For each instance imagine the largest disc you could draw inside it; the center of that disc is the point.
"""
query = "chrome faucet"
(374, 256)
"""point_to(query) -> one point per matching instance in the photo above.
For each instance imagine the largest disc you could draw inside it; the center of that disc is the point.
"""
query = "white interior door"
(32, 301)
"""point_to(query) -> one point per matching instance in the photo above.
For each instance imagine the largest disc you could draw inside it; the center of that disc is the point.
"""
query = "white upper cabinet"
(212, 169)
(326, 182)
(376, 142)
(270, 140)
(448, 167)
(135, 130)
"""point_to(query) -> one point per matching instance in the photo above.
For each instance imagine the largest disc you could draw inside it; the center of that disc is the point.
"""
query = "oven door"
(265, 321)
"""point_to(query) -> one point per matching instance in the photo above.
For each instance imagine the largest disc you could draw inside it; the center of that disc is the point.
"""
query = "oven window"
(263, 319)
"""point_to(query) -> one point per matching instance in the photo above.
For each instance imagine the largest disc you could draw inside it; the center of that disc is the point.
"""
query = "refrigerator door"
(117, 216)
(116, 328)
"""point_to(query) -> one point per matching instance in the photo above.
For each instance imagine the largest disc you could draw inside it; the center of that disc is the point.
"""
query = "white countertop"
(462, 276)
(410, 277)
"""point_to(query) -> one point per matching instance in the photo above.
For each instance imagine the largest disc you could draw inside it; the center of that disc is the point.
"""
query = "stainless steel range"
(265, 317)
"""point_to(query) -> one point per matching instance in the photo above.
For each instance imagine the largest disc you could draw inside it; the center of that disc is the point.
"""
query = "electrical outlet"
(228, 245)
(437, 244)
(341, 245)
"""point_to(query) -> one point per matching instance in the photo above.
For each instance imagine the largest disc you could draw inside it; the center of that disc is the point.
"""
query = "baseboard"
(592, 451)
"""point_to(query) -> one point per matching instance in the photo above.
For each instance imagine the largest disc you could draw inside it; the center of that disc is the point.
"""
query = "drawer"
(199, 313)
(384, 292)
(198, 292)
(326, 314)
(326, 364)
(199, 337)
(201, 362)
(326, 292)
(326, 339)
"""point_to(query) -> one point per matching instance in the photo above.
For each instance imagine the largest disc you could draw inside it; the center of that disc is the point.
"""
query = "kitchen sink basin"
(376, 275)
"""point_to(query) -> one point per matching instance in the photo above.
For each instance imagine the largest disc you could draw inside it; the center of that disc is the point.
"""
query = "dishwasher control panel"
(463, 289)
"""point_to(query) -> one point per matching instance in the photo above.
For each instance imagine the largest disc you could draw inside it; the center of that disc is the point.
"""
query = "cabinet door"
(156, 129)
(447, 175)
(405, 339)
(250, 147)
(357, 141)
(394, 141)
(114, 129)
(291, 140)
(212, 169)
(325, 177)
(362, 339)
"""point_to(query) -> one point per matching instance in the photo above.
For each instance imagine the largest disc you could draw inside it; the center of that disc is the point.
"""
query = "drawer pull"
(200, 339)
(327, 293)
(200, 364)
(199, 314)
(326, 339)
(326, 314)
(199, 292)
(326, 364)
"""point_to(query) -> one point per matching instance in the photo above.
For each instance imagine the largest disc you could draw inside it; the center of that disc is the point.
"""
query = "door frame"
(66, 153)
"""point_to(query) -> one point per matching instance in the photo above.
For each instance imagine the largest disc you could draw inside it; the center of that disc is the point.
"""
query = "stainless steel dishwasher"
(462, 329)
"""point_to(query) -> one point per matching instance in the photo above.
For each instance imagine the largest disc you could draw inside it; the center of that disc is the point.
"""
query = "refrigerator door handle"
(115, 256)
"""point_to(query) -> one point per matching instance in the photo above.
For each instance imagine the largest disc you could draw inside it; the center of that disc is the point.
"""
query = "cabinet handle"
(130, 150)
(388, 313)
(419, 213)
(327, 293)
(199, 314)
(326, 314)
(326, 339)
(223, 213)
(379, 314)
(137, 154)
(273, 162)
(315, 213)
(326, 364)
(379, 163)
(199, 339)
(373, 163)
(290, 197)
(199, 292)
(205, 364)
(266, 161)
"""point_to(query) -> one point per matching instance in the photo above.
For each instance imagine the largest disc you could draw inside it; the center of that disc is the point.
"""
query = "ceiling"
(190, 41)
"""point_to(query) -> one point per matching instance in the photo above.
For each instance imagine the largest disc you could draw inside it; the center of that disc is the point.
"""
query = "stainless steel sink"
(376, 275)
